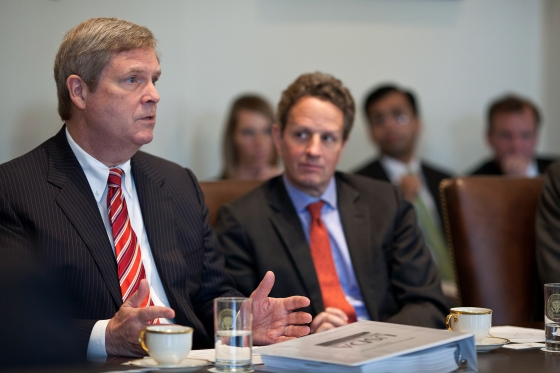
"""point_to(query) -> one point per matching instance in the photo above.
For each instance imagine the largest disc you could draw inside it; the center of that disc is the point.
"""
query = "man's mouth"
(310, 166)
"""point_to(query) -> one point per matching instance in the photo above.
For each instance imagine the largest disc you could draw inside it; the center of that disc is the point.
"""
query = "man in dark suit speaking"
(349, 243)
(126, 232)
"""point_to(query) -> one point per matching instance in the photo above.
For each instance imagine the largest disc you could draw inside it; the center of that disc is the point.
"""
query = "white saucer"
(187, 365)
(490, 343)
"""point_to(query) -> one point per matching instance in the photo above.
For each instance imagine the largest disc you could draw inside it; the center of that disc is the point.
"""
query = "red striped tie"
(331, 290)
(127, 248)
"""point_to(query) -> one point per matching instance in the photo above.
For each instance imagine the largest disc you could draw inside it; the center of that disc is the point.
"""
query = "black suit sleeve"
(238, 250)
(215, 280)
(548, 227)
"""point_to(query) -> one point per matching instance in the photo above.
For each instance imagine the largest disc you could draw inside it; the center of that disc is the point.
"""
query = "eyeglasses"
(397, 116)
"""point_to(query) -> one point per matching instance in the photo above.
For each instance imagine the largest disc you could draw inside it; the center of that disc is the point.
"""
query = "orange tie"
(331, 291)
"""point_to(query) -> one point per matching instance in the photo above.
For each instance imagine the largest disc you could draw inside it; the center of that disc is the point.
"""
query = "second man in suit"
(394, 125)
(351, 244)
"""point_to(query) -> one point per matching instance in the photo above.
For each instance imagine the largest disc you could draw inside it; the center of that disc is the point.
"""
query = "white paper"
(372, 346)
(517, 334)
(438, 359)
(524, 346)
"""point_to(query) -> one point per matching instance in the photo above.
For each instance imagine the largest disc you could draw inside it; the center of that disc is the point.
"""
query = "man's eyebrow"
(142, 70)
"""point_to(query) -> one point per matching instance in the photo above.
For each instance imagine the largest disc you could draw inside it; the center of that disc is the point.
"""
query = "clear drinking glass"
(552, 316)
(233, 327)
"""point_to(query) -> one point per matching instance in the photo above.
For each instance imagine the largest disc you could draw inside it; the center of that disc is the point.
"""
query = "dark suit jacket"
(548, 227)
(432, 176)
(399, 282)
(35, 318)
(47, 209)
(491, 167)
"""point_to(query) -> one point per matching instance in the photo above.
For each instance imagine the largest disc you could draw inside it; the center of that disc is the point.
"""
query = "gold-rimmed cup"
(167, 344)
(475, 320)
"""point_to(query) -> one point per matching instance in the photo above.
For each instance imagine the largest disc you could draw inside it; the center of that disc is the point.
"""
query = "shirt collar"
(301, 199)
(396, 169)
(96, 172)
(532, 169)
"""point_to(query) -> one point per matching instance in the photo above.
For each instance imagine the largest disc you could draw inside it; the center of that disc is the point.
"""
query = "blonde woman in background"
(249, 152)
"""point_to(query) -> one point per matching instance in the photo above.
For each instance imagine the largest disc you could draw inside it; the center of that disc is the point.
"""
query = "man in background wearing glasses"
(394, 125)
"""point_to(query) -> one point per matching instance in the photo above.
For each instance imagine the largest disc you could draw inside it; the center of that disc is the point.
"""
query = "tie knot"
(115, 177)
(315, 209)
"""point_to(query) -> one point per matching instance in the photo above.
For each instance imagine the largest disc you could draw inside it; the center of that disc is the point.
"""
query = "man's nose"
(314, 147)
(151, 94)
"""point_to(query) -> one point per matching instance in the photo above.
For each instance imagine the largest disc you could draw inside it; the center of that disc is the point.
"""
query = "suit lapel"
(157, 212)
(76, 201)
(356, 223)
(285, 220)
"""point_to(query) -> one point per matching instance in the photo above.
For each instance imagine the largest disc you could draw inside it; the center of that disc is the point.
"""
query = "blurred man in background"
(394, 125)
(512, 134)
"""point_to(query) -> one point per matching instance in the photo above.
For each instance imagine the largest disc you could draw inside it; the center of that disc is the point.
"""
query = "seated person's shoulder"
(258, 197)
(488, 167)
(544, 163)
(368, 168)
(373, 190)
(553, 169)
(436, 171)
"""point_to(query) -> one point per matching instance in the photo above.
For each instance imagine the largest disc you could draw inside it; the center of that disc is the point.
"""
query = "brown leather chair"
(490, 228)
(217, 193)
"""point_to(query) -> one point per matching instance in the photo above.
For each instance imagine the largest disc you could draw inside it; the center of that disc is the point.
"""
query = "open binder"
(369, 346)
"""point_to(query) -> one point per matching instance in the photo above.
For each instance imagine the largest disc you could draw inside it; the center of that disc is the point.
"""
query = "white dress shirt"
(97, 175)
(532, 169)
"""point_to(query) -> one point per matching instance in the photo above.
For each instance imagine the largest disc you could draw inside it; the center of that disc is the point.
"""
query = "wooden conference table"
(500, 360)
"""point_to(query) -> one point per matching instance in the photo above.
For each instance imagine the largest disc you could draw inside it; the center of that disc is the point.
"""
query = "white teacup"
(473, 320)
(167, 344)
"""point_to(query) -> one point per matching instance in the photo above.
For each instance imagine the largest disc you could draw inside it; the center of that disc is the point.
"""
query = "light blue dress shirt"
(339, 247)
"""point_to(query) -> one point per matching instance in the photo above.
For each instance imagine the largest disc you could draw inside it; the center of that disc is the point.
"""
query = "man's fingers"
(295, 302)
(337, 312)
(297, 331)
(138, 297)
(317, 321)
(264, 287)
(296, 318)
(329, 319)
(147, 314)
(325, 326)
(336, 321)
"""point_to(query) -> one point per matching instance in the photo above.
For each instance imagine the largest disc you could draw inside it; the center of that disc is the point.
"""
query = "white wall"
(456, 55)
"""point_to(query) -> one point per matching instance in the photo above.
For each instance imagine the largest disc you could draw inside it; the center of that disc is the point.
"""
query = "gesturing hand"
(273, 319)
(330, 318)
(121, 335)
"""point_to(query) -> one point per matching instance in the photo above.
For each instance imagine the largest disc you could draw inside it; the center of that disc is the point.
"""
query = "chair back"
(217, 193)
(490, 228)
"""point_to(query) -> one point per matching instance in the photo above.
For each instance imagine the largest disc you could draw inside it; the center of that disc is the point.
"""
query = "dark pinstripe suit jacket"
(47, 209)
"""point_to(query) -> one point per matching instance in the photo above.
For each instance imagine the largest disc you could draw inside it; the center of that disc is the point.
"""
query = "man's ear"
(277, 138)
(78, 90)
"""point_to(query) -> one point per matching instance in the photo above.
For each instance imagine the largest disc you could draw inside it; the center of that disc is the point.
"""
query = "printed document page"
(365, 342)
